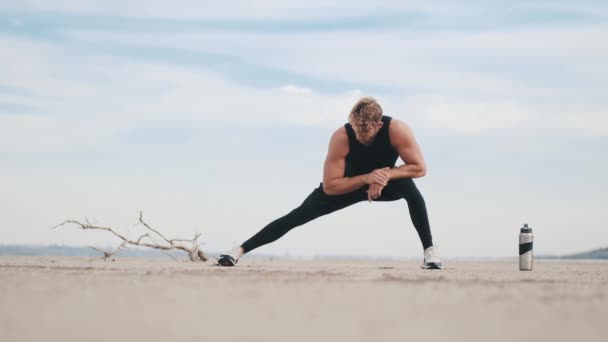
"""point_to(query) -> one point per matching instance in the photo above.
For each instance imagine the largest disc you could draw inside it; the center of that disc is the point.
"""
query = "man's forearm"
(407, 171)
(344, 185)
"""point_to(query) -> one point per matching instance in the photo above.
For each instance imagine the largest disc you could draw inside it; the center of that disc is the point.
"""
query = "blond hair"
(366, 110)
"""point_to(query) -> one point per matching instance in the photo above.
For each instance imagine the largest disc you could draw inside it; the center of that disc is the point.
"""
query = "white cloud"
(576, 122)
(112, 95)
(42, 68)
(441, 61)
(42, 134)
(470, 117)
(292, 89)
(109, 94)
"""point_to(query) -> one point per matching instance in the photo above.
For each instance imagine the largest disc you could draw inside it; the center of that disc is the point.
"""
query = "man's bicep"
(410, 153)
(335, 159)
(334, 168)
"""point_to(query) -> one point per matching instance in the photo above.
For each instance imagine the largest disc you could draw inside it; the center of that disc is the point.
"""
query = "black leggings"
(318, 204)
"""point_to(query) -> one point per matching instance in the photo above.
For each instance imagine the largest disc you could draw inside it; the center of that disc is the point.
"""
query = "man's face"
(366, 131)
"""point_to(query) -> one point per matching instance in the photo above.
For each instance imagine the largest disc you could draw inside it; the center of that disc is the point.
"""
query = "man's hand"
(377, 180)
(378, 176)
(374, 191)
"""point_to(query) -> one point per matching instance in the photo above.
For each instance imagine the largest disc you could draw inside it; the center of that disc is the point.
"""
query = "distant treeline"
(600, 253)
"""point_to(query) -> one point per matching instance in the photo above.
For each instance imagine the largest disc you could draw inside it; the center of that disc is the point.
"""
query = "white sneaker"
(232, 257)
(431, 259)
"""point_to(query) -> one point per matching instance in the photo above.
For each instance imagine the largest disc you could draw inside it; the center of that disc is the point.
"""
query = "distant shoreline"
(62, 250)
(595, 254)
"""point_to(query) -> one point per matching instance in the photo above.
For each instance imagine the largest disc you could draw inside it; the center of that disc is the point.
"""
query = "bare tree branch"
(153, 230)
(107, 255)
(194, 252)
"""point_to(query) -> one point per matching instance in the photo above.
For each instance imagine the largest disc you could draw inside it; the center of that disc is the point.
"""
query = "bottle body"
(526, 256)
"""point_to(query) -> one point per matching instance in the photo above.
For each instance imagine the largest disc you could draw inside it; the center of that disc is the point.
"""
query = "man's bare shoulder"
(340, 135)
(339, 142)
(399, 131)
(397, 125)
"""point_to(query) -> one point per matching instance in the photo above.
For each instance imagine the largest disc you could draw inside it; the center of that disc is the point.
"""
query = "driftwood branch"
(194, 252)
(107, 255)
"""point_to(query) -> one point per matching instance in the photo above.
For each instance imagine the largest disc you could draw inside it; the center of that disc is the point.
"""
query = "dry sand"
(133, 299)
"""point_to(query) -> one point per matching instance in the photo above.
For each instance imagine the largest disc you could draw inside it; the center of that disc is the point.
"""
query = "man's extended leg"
(315, 205)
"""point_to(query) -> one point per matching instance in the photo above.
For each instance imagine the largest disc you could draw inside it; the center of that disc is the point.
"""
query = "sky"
(215, 117)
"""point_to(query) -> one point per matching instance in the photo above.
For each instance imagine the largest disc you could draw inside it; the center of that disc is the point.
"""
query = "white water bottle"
(525, 248)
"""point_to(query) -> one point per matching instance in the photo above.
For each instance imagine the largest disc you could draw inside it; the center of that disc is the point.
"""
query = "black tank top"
(364, 159)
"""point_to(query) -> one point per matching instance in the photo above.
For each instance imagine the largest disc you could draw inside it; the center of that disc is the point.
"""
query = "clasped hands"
(377, 180)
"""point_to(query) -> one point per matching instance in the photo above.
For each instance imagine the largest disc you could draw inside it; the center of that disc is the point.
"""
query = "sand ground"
(133, 299)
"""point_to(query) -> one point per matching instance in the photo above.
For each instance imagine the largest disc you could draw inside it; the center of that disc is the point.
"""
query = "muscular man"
(360, 165)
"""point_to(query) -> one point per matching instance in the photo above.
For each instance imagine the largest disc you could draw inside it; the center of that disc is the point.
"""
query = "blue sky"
(215, 118)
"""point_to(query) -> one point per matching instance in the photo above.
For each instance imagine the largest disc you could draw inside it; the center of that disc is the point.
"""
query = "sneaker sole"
(432, 266)
(226, 260)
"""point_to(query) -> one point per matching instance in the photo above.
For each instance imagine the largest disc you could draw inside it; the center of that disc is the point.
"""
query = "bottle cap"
(526, 229)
